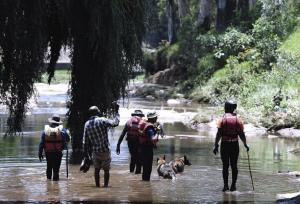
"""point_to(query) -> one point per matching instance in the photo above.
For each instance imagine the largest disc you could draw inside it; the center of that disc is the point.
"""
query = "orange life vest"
(143, 137)
(133, 127)
(231, 126)
(53, 141)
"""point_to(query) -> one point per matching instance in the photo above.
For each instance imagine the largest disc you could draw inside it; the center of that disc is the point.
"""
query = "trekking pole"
(250, 170)
(67, 162)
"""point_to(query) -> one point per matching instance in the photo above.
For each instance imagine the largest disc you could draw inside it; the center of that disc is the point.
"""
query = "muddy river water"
(23, 176)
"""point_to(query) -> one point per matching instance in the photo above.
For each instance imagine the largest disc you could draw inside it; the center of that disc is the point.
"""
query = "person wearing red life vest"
(230, 127)
(148, 138)
(131, 128)
(53, 141)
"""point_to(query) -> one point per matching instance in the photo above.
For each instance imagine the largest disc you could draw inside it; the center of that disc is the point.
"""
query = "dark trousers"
(146, 158)
(53, 164)
(134, 150)
(229, 156)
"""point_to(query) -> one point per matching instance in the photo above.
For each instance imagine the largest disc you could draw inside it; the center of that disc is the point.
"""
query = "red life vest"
(133, 127)
(230, 128)
(53, 141)
(143, 137)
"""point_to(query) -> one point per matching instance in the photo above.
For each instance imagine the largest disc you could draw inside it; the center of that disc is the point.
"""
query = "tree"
(105, 39)
(183, 9)
(171, 15)
(203, 20)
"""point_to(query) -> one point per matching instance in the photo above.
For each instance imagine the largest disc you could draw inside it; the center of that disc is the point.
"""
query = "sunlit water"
(23, 176)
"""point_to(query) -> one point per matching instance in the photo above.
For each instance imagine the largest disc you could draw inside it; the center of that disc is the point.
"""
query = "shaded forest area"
(216, 50)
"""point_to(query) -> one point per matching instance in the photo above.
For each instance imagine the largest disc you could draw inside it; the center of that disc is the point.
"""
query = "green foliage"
(232, 42)
(60, 76)
(291, 44)
(105, 41)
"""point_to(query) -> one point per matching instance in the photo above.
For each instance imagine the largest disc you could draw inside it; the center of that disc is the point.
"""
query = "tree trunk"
(225, 13)
(183, 9)
(204, 14)
(252, 4)
(152, 36)
(243, 9)
(171, 14)
(221, 6)
(230, 12)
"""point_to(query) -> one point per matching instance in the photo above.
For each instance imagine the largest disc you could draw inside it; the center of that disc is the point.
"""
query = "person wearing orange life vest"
(53, 141)
(230, 127)
(132, 130)
(148, 139)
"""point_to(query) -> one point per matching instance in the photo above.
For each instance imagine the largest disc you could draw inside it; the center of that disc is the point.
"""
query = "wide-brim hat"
(55, 119)
(138, 113)
(151, 115)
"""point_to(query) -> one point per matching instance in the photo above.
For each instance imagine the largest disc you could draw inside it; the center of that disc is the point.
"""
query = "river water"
(23, 176)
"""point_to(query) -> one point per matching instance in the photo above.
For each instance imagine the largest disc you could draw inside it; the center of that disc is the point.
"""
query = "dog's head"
(185, 161)
(161, 160)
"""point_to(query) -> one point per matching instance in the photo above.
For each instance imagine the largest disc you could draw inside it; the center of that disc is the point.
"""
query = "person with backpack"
(230, 127)
(131, 129)
(148, 138)
(54, 140)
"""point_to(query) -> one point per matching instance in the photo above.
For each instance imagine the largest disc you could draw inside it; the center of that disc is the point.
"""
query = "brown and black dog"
(164, 169)
(179, 163)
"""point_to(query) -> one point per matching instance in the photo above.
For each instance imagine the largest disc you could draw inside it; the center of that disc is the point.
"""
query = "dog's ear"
(164, 157)
(184, 158)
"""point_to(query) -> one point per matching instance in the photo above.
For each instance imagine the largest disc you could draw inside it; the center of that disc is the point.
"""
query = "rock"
(173, 102)
(289, 132)
(149, 97)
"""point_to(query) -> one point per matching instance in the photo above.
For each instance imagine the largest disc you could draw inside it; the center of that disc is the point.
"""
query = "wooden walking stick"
(67, 162)
(250, 170)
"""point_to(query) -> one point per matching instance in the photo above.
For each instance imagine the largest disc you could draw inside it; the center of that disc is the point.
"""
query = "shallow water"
(23, 176)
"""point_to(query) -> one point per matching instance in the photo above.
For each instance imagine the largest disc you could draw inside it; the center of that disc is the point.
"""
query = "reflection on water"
(23, 176)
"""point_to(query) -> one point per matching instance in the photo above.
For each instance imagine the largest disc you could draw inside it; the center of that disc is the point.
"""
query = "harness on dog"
(230, 128)
(133, 127)
(53, 139)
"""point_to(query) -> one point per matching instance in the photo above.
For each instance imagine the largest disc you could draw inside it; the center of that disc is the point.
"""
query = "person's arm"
(66, 137)
(41, 146)
(85, 143)
(152, 134)
(218, 138)
(121, 138)
(112, 122)
(242, 135)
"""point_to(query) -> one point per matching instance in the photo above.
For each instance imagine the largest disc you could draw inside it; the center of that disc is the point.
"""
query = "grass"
(60, 76)
(292, 43)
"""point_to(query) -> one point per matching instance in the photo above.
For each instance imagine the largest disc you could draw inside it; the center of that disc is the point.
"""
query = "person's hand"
(247, 147)
(41, 157)
(115, 106)
(118, 149)
(216, 149)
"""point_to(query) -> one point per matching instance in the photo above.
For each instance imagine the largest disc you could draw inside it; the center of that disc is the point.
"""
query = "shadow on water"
(23, 176)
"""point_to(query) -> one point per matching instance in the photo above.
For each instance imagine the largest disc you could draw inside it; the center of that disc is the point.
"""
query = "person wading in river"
(229, 128)
(95, 141)
(54, 140)
(132, 130)
(148, 138)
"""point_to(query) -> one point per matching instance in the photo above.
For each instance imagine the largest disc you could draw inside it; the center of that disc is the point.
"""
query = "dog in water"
(179, 163)
(164, 169)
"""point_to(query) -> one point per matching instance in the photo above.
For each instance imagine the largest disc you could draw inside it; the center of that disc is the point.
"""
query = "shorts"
(102, 160)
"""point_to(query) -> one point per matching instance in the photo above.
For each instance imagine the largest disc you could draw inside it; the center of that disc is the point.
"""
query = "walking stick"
(67, 162)
(250, 170)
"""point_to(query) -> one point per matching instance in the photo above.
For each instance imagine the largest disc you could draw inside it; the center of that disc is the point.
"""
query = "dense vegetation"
(245, 54)
(105, 41)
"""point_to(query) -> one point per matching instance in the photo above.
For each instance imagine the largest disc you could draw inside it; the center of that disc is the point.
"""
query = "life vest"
(230, 128)
(133, 127)
(53, 139)
(143, 137)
